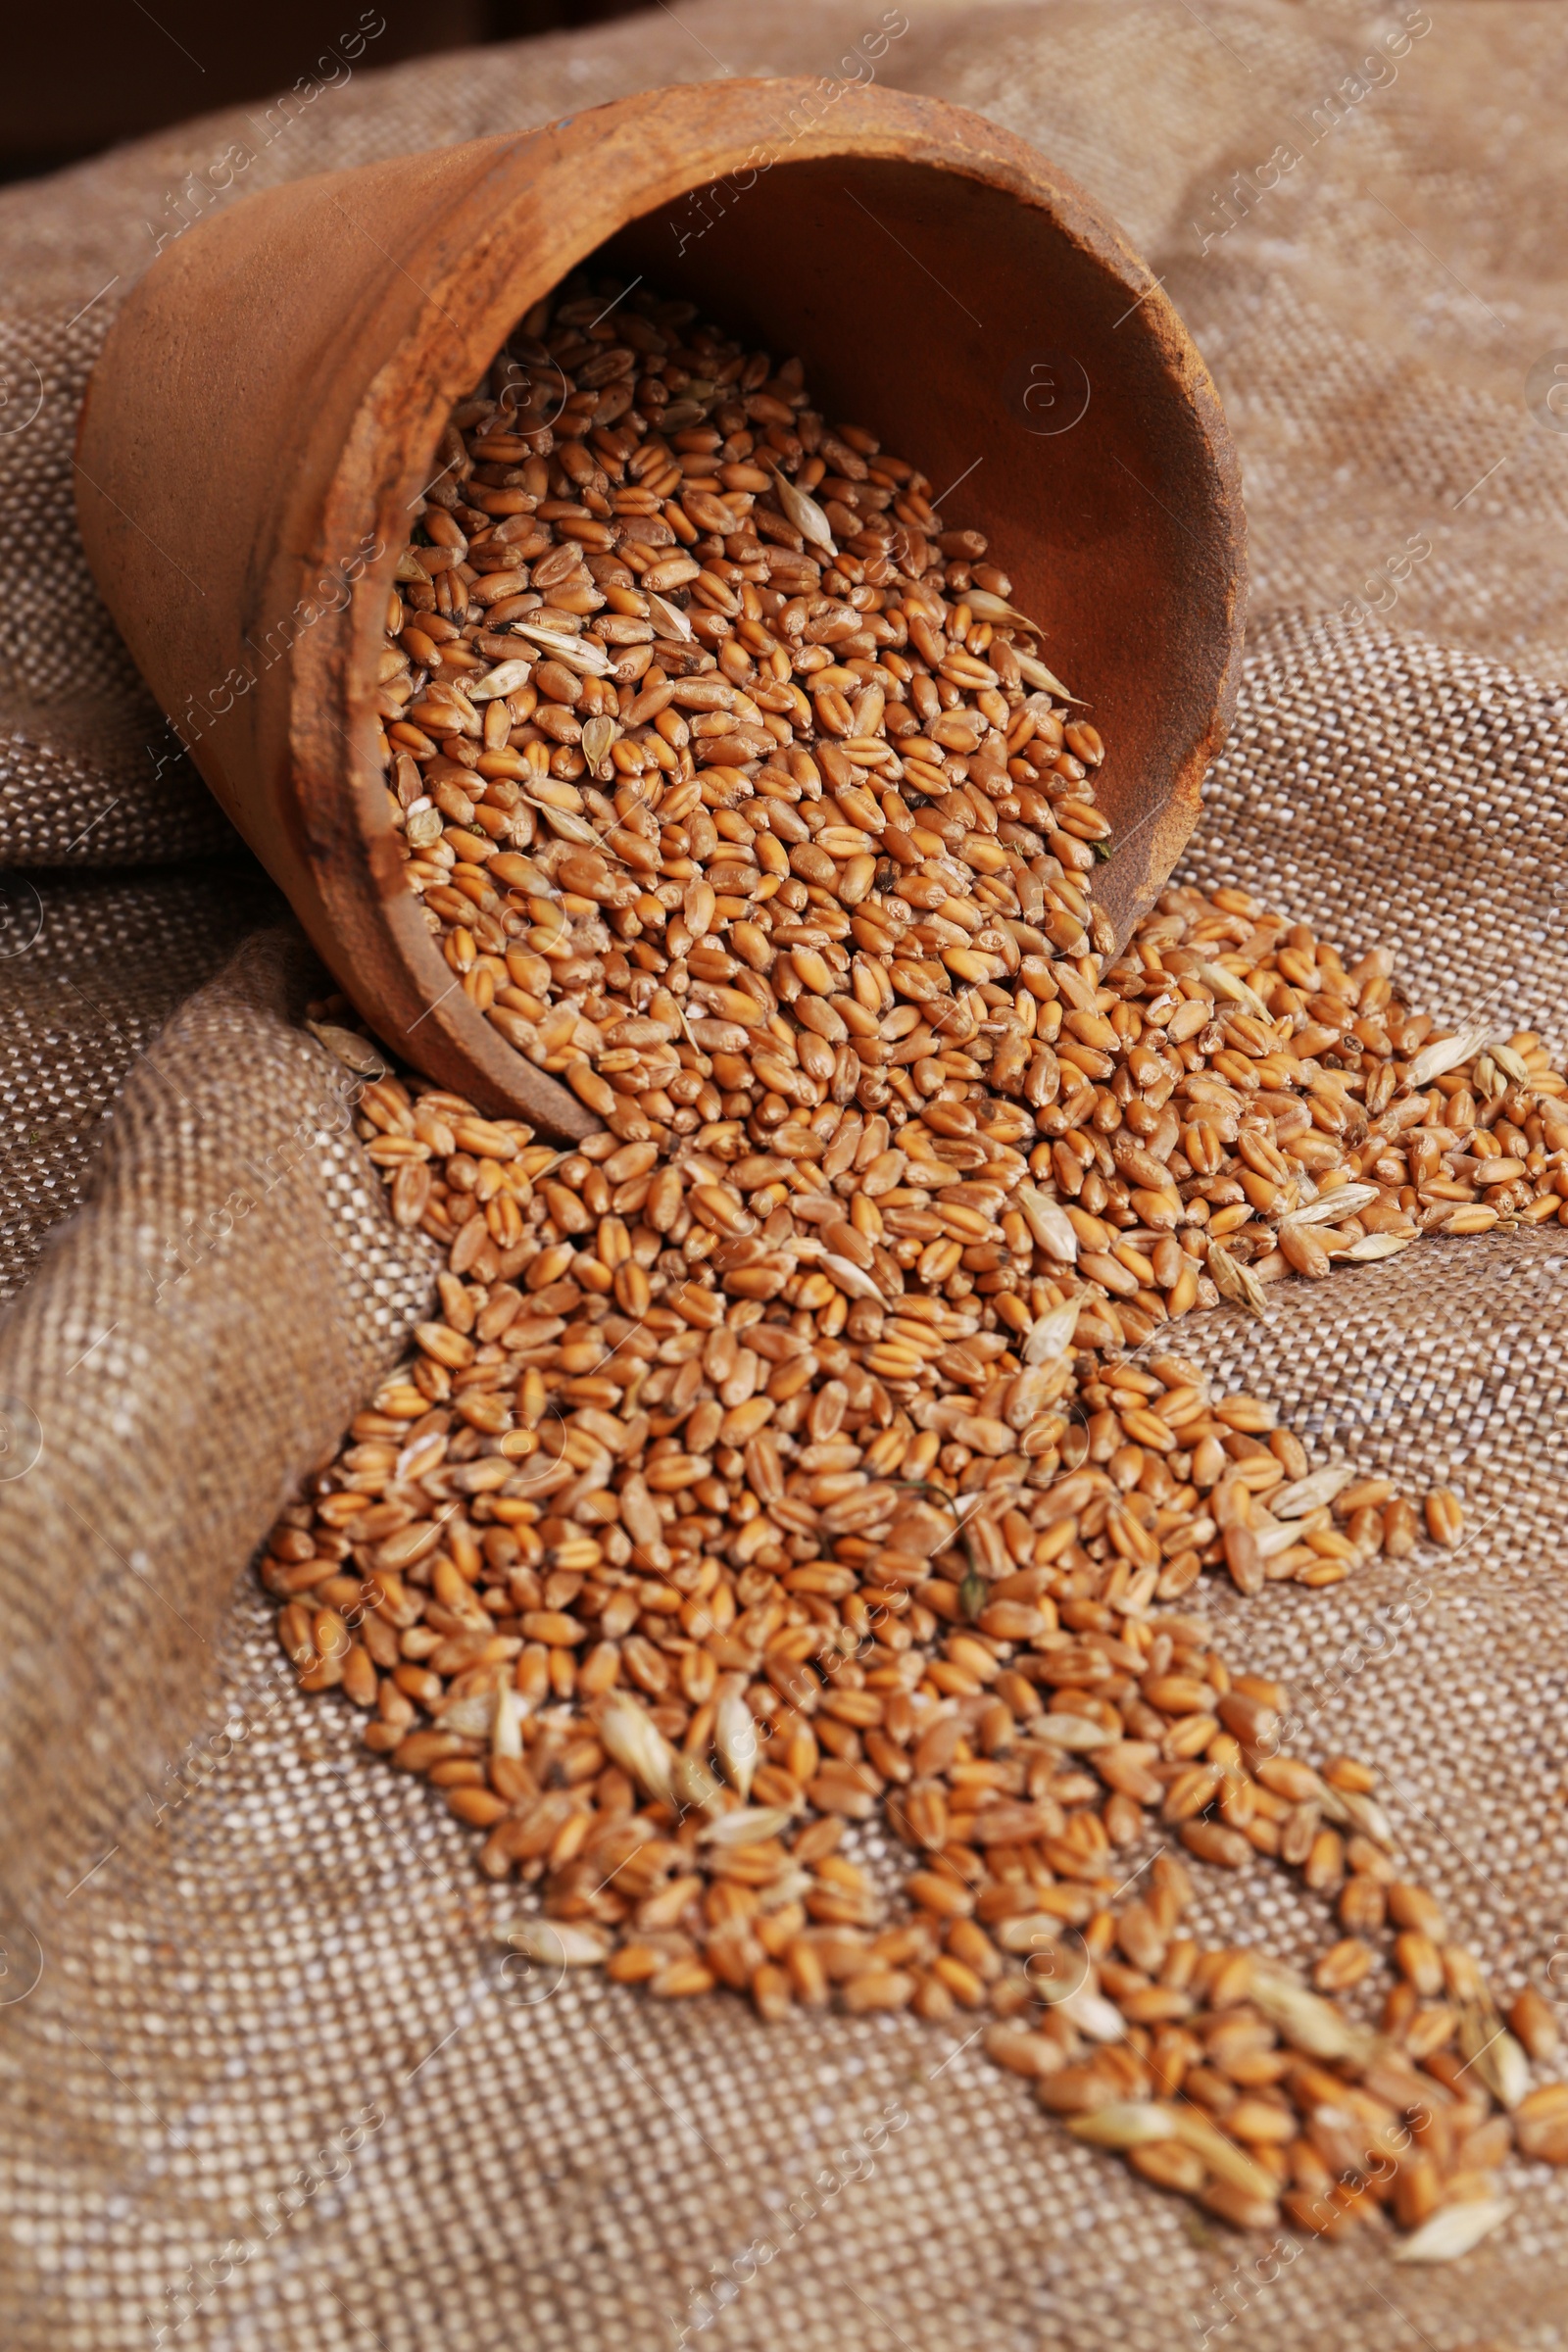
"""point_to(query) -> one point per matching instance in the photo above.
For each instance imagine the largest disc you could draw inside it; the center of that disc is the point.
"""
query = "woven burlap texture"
(263, 2078)
(97, 963)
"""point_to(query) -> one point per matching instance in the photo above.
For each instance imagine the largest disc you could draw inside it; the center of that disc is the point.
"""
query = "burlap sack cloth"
(261, 2076)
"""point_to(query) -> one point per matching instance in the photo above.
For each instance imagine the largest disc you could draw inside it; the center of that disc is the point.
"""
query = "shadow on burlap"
(251, 1969)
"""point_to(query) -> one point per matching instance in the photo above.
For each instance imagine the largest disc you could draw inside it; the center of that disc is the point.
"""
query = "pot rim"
(471, 306)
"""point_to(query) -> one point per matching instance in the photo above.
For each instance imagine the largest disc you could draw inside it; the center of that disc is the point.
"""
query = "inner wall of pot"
(967, 330)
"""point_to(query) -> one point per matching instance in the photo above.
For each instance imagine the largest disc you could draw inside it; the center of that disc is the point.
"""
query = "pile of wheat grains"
(805, 1449)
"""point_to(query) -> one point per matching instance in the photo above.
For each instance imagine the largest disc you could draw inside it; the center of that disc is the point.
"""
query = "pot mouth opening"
(974, 324)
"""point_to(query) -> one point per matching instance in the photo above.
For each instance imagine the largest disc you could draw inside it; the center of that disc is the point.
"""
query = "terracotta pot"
(267, 403)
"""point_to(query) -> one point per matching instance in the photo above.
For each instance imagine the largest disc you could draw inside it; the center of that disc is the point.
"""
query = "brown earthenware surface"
(224, 481)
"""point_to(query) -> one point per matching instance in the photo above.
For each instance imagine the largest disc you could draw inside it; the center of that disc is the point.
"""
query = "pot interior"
(1008, 362)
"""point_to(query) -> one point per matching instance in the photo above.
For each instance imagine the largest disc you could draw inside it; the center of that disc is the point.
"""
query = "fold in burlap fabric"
(264, 2083)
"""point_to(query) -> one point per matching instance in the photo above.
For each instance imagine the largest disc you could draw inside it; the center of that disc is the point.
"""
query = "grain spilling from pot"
(808, 1449)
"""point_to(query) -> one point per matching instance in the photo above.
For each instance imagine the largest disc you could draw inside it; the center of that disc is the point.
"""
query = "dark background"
(73, 84)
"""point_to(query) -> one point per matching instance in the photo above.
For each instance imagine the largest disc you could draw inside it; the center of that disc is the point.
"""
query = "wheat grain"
(778, 1458)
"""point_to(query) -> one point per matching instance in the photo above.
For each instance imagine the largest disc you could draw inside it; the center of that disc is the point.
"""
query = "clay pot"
(266, 407)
